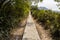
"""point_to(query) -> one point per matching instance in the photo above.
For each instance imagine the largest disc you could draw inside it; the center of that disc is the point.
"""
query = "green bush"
(10, 15)
(50, 20)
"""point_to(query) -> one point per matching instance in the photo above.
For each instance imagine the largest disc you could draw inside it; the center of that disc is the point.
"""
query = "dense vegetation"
(50, 20)
(57, 0)
(11, 12)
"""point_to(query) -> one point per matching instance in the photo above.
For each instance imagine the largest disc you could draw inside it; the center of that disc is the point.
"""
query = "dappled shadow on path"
(17, 33)
(16, 37)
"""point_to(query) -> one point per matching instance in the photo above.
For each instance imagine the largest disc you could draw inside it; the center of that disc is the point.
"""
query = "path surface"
(30, 32)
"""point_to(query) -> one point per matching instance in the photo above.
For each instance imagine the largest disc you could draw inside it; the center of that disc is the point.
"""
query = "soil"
(17, 33)
(44, 34)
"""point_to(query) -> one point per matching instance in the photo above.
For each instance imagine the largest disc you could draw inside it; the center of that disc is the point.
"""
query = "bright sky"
(50, 4)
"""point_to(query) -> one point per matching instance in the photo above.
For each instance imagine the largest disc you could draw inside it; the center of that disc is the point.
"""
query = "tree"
(41, 0)
(11, 13)
(58, 3)
(57, 0)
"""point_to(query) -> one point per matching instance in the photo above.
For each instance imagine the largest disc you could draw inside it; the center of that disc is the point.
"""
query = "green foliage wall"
(49, 19)
(10, 14)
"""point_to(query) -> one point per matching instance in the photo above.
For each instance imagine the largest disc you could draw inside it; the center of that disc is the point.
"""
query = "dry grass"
(17, 33)
(44, 34)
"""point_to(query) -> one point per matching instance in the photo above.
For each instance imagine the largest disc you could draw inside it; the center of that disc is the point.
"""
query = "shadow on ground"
(17, 33)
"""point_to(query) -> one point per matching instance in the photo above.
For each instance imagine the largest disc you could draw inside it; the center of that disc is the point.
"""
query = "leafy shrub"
(10, 15)
(50, 20)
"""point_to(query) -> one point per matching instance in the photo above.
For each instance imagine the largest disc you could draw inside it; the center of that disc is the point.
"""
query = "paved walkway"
(30, 32)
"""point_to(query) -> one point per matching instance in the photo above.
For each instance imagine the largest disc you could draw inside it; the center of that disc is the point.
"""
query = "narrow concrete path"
(30, 32)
